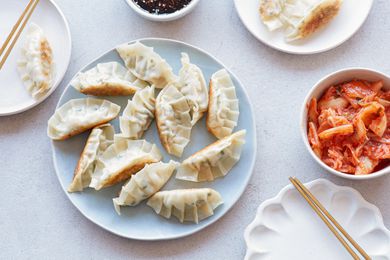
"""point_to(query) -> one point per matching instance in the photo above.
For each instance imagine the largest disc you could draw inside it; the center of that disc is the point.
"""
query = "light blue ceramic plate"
(141, 222)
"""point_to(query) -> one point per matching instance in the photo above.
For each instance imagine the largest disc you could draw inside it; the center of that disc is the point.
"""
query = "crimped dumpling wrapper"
(173, 120)
(146, 64)
(79, 115)
(299, 18)
(144, 184)
(213, 161)
(122, 159)
(193, 86)
(138, 114)
(191, 205)
(107, 79)
(223, 110)
(36, 65)
(100, 138)
(314, 19)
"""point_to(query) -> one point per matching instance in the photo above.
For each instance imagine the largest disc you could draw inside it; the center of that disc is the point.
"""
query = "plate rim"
(302, 52)
(278, 198)
(197, 228)
(60, 75)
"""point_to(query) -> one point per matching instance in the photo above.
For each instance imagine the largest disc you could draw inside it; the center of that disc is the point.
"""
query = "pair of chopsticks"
(16, 31)
(327, 218)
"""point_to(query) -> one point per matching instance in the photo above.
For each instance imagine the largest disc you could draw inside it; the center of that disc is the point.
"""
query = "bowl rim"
(303, 123)
(163, 17)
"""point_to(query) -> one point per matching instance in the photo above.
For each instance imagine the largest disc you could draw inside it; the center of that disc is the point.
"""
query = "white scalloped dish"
(285, 227)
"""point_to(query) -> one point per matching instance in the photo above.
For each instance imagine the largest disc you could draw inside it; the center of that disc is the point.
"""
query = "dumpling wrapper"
(146, 64)
(270, 12)
(193, 86)
(173, 120)
(107, 79)
(121, 160)
(299, 18)
(100, 138)
(314, 19)
(213, 161)
(191, 205)
(79, 115)
(223, 110)
(138, 114)
(36, 65)
(144, 184)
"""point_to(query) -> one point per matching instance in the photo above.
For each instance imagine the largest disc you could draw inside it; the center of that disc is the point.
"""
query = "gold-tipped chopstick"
(17, 30)
(326, 216)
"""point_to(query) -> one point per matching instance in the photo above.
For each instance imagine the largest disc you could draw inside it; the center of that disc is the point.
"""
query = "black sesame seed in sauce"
(162, 6)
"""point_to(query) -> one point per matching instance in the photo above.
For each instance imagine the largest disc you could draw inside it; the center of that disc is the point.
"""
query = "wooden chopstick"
(333, 220)
(324, 215)
(27, 11)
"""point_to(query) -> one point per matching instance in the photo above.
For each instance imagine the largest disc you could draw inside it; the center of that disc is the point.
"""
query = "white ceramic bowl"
(319, 88)
(163, 17)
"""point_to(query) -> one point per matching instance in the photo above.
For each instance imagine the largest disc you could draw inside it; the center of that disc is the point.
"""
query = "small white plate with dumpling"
(39, 59)
(278, 23)
(156, 202)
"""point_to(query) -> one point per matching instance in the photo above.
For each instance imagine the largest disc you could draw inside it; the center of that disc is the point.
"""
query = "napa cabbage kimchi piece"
(348, 127)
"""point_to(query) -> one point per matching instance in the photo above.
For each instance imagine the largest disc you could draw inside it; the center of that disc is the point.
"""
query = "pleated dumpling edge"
(213, 161)
(107, 79)
(173, 120)
(144, 184)
(121, 160)
(191, 205)
(36, 66)
(146, 64)
(79, 115)
(223, 110)
(100, 138)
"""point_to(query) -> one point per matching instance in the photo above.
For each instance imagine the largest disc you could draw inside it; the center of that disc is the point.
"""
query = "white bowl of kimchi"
(345, 123)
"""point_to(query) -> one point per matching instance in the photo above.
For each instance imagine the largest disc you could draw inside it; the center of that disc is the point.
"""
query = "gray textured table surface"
(38, 221)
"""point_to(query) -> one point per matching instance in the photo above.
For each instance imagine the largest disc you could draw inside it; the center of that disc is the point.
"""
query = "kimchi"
(348, 127)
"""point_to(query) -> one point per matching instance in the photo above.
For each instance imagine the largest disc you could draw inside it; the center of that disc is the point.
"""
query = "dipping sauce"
(162, 6)
(349, 127)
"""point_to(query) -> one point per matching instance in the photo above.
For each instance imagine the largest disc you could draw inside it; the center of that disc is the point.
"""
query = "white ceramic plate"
(141, 222)
(286, 227)
(351, 16)
(50, 18)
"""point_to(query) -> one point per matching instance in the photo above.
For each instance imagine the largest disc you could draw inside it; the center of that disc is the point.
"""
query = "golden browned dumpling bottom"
(319, 17)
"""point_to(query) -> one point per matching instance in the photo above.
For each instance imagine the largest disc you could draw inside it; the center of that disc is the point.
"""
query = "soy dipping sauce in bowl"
(162, 10)
(162, 6)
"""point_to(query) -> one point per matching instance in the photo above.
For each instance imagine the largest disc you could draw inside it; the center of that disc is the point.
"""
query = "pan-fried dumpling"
(36, 65)
(107, 79)
(300, 18)
(214, 161)
(187, 204)
(193, 86)
(146, 64)
(144, 184)
(98, 141)
(173, 120)
(138, 114)
(314, 18)
(79, 115)
(271, 13)
(223, 108)
(122, 159)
